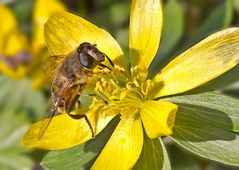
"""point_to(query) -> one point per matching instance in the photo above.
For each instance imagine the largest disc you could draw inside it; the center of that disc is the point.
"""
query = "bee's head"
(89, 55)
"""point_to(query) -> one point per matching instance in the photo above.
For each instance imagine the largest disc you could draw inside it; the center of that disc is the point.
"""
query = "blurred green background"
(185, 23)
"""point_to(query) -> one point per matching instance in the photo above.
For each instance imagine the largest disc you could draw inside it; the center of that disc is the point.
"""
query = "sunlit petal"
(158, 117)
(63, 132)
(64, 32)
(123, 148)
(144, 31)
(41, 13)
(203, 62)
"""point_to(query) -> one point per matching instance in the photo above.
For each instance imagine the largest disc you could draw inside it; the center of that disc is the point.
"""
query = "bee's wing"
(53, 109)
(46, 122)
(51, 64)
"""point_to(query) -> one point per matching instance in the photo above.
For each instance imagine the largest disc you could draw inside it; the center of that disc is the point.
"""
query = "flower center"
(121, 94)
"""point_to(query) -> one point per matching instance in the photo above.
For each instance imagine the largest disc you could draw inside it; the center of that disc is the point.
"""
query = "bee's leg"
(88, 123)
(80, 116)
(94, 95)
(104, 66)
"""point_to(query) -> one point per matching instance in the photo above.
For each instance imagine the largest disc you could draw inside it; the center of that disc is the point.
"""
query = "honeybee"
(71, 73)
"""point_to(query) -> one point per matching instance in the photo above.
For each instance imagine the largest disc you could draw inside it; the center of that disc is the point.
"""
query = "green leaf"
(12, 127)
(166, 164)
(18, 107)
(23, 12)
(172, 32)
(232, 90)
(82, 156)
(119, 13)
(116, 14)
(236, 5)
(19, 96)
(153, 156)
(122, 38)
(180, 160)
(207, 125)
(102, 3)
(7, 1)
(14, 161)
(220, 18)
(228, 106)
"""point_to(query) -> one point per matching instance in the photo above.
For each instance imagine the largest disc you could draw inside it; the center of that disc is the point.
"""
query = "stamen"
(122, 96)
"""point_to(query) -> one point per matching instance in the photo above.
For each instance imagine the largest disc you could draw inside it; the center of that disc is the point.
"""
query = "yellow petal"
(7, 19)
(8, 25)
(203, 62)
(63, 132)
(41, 13)
(158, 117)
(145, 31)
(20, 72)
(64, 32)
(11, 43)
(123, 148)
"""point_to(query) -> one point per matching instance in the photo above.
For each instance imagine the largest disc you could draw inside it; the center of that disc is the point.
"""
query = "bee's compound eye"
(86, 60)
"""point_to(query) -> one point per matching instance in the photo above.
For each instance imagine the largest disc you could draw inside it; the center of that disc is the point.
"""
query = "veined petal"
(144, 31)
(41, 13)
(124, 146)
(158, 117)
(203, 62)
(64, 32)
(63, 132)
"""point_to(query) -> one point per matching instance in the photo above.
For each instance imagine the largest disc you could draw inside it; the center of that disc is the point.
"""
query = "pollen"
(121, 94)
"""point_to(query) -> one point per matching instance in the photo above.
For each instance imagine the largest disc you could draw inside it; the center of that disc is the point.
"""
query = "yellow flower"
(12, 43)
(18, 57)
(43, 9)
(130, 93)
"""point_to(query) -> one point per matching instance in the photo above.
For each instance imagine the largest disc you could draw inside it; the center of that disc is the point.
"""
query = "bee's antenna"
(102, 65)
(111, 63)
